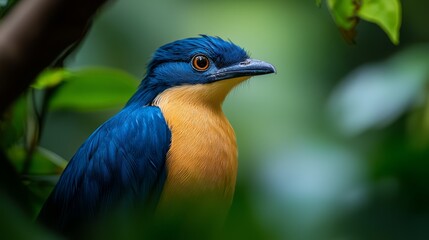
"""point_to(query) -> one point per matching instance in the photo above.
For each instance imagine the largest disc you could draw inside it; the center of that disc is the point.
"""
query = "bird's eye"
(200, 62)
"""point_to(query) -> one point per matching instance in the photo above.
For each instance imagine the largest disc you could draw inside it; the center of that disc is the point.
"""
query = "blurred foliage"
(375, 95)
(89, 89)
(22, 124)
(5, 6)
(12, 124)
(43, 161)
(384, 13)
(78, 90)
(16, 225)
(185, 223)
(335, 146)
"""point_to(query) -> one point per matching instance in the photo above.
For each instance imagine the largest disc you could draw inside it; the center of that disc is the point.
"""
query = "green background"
(333, 146)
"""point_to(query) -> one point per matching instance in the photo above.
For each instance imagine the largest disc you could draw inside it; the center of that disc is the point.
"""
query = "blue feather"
(223, 53)
(123, 159)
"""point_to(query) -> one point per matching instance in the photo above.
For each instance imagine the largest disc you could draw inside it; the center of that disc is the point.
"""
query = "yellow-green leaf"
(384, 13)
(50, 78)
(343, 12)
(94, 89)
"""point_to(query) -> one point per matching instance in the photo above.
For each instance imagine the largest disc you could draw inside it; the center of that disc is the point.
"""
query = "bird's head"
(207, 67)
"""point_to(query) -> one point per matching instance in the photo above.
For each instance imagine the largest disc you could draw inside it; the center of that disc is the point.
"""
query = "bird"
(170, 142)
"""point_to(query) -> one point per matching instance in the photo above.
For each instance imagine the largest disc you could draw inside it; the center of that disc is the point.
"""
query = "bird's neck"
(209, 96)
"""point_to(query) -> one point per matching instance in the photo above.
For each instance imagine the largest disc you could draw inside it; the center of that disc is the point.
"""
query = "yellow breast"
(202, 160)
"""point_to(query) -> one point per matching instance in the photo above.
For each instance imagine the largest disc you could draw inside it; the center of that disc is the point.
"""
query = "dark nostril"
(245, 62)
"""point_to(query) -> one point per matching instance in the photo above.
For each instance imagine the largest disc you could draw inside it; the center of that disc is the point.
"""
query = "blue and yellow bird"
(170, 142)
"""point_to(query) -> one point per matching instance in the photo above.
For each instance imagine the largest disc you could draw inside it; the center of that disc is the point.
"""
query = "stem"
(36, 118)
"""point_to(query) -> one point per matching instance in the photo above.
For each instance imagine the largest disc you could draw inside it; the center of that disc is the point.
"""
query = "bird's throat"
(210, 94)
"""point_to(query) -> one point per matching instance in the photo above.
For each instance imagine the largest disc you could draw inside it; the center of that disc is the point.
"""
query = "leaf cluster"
(347, 13)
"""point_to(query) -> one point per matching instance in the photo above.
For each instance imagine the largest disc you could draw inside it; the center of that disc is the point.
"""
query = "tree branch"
(33, 35)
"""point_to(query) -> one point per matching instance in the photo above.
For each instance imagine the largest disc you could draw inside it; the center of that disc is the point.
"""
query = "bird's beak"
(249, 67)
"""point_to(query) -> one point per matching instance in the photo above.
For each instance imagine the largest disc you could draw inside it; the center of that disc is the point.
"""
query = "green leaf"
(318, 3)
(384, 13)
(93, 89)
(343, 12)
(51, 78)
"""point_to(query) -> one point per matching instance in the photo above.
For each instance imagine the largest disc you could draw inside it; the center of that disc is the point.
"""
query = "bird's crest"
(223, 53)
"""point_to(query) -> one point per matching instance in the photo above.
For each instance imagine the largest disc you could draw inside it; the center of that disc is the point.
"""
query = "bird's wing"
(123, 161)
